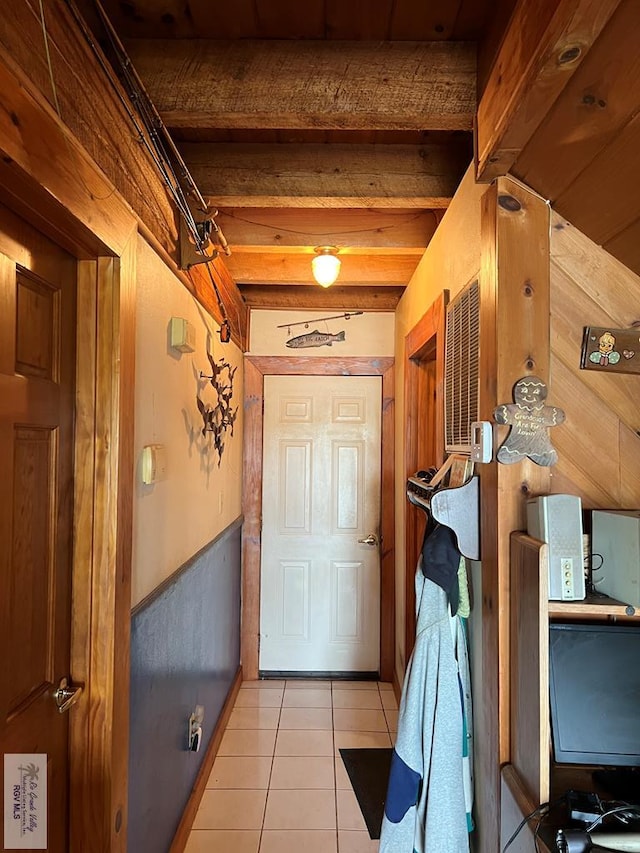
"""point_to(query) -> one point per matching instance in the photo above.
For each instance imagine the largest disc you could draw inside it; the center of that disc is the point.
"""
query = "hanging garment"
(428, 805)
(461, 643)
(441, 560)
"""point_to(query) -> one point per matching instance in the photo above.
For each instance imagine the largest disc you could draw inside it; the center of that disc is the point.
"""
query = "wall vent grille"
(462, 373)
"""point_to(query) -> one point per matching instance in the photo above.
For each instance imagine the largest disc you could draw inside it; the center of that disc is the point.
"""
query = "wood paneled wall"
(600, 450)
(514, 329)
(583, 156)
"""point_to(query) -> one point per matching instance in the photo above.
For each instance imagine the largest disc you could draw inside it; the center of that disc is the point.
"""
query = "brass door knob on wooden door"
(66, 696)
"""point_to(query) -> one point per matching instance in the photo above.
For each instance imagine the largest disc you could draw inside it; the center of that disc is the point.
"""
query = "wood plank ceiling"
(318, 123)
(584, 155)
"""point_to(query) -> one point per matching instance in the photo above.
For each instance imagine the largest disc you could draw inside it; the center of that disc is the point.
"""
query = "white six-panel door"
(320, 587)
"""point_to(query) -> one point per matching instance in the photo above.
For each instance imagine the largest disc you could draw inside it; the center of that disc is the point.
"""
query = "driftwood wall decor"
(220, 417)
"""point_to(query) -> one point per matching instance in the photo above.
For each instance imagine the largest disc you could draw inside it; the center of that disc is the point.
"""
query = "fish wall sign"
(315, 339)
(611, 350)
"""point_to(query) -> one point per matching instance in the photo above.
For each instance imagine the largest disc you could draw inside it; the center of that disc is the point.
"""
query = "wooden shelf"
(593, 607)
(532, 777)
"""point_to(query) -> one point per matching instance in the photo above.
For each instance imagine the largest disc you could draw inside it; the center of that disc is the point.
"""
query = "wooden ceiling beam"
(544, 45)
(315, 297)
(279, 175)
(309, 84)
(269, 229)
(356, 270)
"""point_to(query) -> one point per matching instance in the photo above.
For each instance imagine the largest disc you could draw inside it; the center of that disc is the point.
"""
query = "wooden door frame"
(426, 338)
(255, 369)
(103, 531)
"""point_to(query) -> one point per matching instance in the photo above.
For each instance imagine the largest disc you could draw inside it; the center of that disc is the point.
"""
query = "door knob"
(371, 539)
(66, 696)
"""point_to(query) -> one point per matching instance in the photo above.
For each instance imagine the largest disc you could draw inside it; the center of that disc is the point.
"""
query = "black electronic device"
(594, 680)
(583, 806)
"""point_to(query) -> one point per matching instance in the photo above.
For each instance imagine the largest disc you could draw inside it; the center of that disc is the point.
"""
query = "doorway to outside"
(256, 368)
(320, 573)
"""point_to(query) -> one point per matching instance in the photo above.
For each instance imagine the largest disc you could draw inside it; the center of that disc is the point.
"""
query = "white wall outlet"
(194, 734)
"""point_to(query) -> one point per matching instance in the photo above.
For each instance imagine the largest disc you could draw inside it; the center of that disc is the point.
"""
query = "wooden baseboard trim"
(397, 689)
(188, 816)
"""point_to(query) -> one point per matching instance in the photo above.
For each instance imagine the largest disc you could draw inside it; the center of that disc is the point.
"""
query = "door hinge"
(259, 639)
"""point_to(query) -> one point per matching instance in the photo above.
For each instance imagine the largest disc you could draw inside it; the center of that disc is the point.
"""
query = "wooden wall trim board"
(99, 725)
(252, 513)
(31, 139)
(514, 330)
(544, 45)
(181, 837)
(197, 282)
(255, 369)
(529, 653)
(90, 112)
(487, 705)
(387, 529)
(516, 803)
(88, 189)
(424, 431)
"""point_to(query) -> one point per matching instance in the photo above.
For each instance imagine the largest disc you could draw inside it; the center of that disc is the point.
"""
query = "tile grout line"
(336, 757)
(335, 769)
(273, 758)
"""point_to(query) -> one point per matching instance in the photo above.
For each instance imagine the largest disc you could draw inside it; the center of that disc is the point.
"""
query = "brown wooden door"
(37, 371)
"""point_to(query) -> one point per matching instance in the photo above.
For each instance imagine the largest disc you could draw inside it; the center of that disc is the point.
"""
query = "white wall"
(176, 517)
(369, 334)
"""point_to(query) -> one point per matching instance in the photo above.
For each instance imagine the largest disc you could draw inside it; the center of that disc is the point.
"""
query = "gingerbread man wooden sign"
(529, 419)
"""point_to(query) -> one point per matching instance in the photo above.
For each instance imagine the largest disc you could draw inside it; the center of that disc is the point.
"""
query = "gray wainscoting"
(185, 651)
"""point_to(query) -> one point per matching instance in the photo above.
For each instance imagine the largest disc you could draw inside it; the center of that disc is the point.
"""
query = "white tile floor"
(278, 784)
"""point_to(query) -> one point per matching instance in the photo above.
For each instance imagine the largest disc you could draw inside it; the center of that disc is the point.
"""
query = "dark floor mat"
(368, 771)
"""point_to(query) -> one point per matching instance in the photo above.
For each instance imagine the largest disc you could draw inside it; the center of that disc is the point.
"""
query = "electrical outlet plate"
(194, 731)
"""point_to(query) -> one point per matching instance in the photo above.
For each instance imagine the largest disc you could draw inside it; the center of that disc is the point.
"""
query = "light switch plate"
(154, 463)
